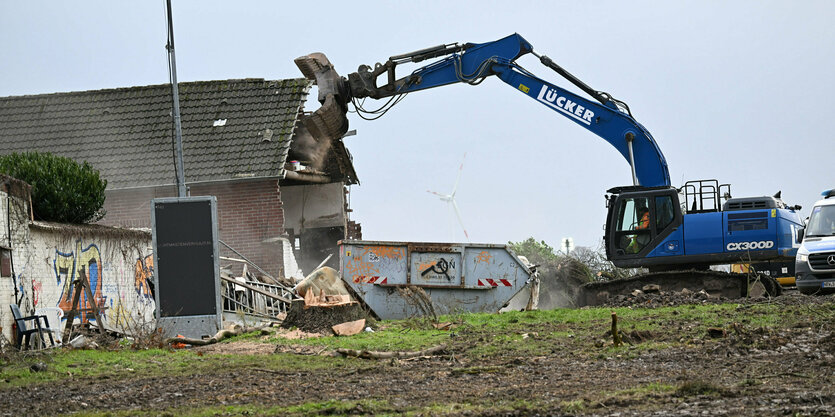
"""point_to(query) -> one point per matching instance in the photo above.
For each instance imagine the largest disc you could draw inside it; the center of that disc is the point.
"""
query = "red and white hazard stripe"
(490, 282)
(370, 280)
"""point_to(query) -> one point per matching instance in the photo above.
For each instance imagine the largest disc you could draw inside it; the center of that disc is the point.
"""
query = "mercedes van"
(815, 261)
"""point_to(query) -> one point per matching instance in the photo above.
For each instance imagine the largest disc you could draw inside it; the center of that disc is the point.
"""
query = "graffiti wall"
(51, 258)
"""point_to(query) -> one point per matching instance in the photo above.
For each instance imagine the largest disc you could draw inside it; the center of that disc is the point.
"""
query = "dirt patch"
(243, 347)
(262, 346)
(751, 370)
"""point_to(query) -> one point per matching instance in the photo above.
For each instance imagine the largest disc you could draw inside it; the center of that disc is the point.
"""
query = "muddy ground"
(753, 371)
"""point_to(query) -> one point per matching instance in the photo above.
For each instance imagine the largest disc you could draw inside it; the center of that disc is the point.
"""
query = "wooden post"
(86, 284)
(81, 284)
(73, 310)
(615, 335)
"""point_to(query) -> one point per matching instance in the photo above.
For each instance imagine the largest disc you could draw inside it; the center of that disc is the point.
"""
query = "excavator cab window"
(640, 219)
(664, 211)
(633, 226)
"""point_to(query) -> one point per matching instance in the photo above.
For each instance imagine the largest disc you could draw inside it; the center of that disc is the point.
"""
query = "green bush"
(535, 251)
(62, 190)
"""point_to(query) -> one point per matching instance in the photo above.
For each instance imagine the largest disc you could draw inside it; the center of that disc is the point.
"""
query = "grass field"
(481, 350)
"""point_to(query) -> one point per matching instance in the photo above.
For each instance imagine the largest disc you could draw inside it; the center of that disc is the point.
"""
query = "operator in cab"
(642, 224)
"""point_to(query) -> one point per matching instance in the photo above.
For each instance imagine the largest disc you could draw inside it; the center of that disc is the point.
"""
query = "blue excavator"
(674, 233)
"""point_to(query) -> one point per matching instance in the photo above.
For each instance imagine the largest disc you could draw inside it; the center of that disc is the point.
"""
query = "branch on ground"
(223, 334)
(368, 354)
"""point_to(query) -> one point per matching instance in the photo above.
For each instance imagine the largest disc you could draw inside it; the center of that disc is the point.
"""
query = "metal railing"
(255, 298)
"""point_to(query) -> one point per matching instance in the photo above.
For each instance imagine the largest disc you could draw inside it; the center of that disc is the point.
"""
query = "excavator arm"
(470, 63)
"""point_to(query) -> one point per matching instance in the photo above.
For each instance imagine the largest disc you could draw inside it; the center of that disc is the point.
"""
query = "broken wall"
(47, 257)
(315, 216)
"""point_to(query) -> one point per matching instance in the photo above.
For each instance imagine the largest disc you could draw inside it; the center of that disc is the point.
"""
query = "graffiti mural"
(375, 253)
(122, 316)
(484, 256)
(69, 266)
(37, 287)
(143, 277)
(436, 269)
(357, 268)
(49, 258)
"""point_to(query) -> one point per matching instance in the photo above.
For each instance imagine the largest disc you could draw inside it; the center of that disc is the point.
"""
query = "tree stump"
(318, 319)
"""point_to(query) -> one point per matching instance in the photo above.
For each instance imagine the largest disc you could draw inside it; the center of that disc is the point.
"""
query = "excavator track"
(715, 283)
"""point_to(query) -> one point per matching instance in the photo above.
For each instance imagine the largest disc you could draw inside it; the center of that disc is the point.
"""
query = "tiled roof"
(128, 134)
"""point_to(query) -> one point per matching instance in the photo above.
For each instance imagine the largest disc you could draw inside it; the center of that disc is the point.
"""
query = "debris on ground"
(296, 334)
(179, 345)
(324, 288)
(444, 326)
(657, 298)
(38, 367)
(758, 368)
(83, 342)
(349, 328)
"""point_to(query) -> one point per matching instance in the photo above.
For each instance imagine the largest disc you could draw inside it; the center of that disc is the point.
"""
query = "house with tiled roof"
(238, 138)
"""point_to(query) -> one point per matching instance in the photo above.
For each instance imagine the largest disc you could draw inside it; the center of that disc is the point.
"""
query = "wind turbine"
(450, 198)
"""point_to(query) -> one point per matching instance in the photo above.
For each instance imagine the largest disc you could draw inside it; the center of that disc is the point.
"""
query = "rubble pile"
(651, 297)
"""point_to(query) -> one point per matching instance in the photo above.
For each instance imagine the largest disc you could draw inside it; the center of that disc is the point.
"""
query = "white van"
(815, 262)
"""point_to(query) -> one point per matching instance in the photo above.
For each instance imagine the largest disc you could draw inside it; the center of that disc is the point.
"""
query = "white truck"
(815, 261)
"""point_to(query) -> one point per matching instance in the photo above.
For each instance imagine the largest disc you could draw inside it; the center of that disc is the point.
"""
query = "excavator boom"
(471, 63)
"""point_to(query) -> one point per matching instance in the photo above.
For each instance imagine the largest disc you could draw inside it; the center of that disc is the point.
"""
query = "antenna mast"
(178, 131)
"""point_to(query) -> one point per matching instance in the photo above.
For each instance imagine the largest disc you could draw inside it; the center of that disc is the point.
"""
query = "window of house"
(5, 262)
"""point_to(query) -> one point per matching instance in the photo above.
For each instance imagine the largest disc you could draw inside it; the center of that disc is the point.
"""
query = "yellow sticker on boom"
(773, 212)
(525, 89)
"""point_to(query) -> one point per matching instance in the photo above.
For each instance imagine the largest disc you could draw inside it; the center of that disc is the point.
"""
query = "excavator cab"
(639, 219)
(650, 227)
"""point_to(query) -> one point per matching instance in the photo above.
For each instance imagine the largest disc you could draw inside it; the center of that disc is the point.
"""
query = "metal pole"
(630, 137)
(178, 132)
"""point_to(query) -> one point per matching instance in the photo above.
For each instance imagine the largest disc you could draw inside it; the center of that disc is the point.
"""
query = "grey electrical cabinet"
(186, 274)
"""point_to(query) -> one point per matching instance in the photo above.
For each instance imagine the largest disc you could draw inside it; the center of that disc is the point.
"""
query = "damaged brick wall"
(250, 212)
(251, 220)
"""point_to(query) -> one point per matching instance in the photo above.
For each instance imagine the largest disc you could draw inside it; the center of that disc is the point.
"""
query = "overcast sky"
(736, 91)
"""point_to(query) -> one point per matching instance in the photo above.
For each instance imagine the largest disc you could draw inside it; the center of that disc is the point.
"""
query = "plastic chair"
(24, 334)
(54, 315)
